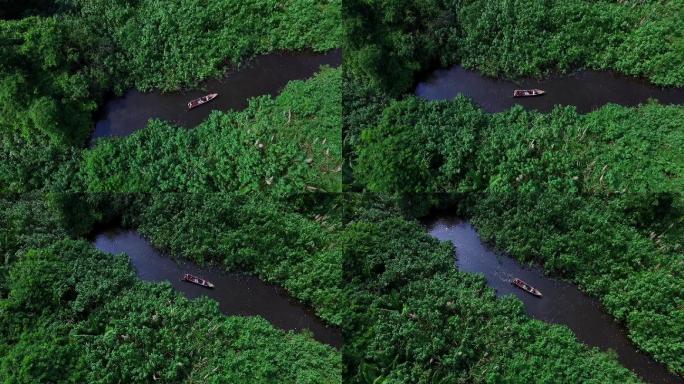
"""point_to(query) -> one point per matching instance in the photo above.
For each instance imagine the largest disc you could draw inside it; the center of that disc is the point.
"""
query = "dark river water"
(237, 293)
(265, 75)
(586, 90)
(563, 303)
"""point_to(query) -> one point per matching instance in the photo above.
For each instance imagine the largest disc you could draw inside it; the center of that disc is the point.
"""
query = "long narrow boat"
(204, 99)
(526, 287)
(197, 280)
(528, 92)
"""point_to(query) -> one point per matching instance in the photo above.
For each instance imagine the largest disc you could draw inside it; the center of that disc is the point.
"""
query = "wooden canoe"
(197, 280)
(202, 100)
(526, 287)
(528, 92)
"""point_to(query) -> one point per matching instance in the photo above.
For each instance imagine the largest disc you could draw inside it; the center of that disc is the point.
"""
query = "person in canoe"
(202, 100)
(197, 280)
(528, 92)
(526, 287)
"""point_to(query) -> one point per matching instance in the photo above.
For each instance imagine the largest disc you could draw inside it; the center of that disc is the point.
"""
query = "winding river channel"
(563, 303)
(264, 75)
(236, 293)
(586, 90)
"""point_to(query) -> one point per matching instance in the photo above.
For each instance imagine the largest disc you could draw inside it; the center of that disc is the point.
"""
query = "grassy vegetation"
(167, 45)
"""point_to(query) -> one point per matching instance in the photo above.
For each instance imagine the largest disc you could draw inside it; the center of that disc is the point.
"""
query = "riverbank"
(562, 302)
(264, 75)
(237, 294)
(594, 198)
(586, 91)
(416, 316)
(277, 146)
(513, 39)
(85, 316)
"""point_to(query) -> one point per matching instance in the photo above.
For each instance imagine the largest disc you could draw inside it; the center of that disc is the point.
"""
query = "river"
(586, 90)
(563, 303)
(264, 75)
(236, 293)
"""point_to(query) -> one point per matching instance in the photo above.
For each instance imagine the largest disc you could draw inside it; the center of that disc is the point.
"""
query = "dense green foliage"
(280, 145)
(170, 44)
(44, 96)
(407, 314)
(284, 145)
(390, 41)
(417, 319)
(294, 248)
(55, 69)
(596, 198)
(419, 147)
(69, 313)
(26, 224)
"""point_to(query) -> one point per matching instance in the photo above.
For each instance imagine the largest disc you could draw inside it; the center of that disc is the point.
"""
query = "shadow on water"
(586, 90)
(265, 75)
(237, 293)
(563, 303)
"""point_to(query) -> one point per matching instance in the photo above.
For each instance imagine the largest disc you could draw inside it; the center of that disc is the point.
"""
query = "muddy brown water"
(264, 75)
(236, 293)
(586, 90)
(562, 302)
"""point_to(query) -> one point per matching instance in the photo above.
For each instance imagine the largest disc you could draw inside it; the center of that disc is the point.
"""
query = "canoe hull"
(528, 92)
(197, 280)
(202, 100)
(526, 287)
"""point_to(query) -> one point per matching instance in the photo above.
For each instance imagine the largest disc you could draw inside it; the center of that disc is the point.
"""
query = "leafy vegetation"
(390, 42)
(280, 146)
(44, 96)
(167, 45)
(70, 313)
(596, 198)
(407, 314)
(294, 248)
(56, 67)
(418, 319)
